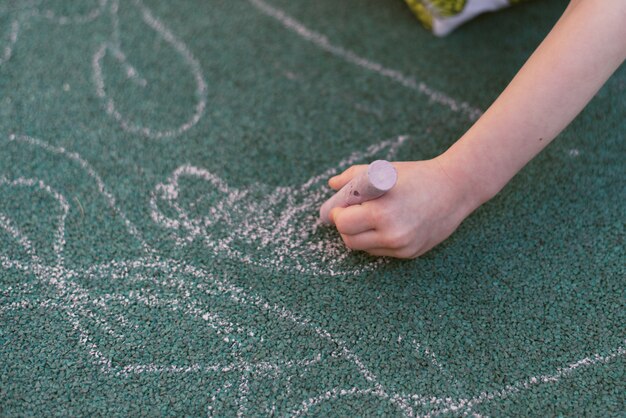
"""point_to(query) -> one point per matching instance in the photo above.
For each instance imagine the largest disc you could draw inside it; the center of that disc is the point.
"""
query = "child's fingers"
(352, 220)
(340, 180)
(362, 242)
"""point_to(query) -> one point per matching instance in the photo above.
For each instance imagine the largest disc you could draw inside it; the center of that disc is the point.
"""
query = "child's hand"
(423, 209)
(428, 204)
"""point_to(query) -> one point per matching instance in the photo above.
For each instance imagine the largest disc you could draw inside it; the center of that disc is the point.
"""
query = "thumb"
(338, 181)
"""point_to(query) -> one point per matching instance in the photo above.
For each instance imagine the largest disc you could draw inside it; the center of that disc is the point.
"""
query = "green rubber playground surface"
(161, 167)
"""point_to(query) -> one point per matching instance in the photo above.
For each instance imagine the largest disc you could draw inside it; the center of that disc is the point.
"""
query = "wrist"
(470, 175)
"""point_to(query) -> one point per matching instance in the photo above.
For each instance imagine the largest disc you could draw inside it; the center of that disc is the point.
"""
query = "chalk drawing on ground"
(321, 41)
(206, 299)
(276, 228)
(101, 301)
(86, 297)
(113, 46)
(29, 10)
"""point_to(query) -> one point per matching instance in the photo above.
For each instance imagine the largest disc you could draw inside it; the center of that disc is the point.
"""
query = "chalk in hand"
(379, 178)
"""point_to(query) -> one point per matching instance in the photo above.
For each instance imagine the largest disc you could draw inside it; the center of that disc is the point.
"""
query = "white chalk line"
(464, 406)
(59, 242)
(114, 46)
(258, 221)
(70, 292)
(213, 320)
(257, 369)
(109, 198)
(422, 350)
(347, 55)
(334, 394)
(217, 287)
(50, 15)
(7, 52)
(239, 296)
(509, 390)
(115, 22)
(56, 275)
(9, 226)
(75, 298)
(242, 400)
(88, 17)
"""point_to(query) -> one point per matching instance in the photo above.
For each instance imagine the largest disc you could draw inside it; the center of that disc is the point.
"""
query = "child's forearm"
(581, 52)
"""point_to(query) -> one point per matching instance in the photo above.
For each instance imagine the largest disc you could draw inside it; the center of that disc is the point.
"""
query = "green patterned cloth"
(443, 16)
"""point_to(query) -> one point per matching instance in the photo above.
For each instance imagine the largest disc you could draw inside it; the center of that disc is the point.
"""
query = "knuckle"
(378, 215)
(396, 240)
(388, 242)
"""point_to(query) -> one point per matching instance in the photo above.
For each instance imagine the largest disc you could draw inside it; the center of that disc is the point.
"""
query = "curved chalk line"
(74, 301)
(347, 55)
(48, 14)
(63, 285)
(59, 243)
(556, 376)
(7, 52)
(9, 226)
(76, 20)
(115, 48)
(337, 393)
(108, 196)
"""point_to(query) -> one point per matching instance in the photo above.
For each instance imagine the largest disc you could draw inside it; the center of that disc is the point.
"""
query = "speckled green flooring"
(161, 165)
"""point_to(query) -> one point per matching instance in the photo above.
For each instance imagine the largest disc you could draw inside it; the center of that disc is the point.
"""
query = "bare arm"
(432, 198)
(581, 52)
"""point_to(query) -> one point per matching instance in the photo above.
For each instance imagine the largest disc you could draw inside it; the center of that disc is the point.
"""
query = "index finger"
(340, 180)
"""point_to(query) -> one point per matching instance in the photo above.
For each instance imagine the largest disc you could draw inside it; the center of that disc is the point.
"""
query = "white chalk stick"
(378, 179)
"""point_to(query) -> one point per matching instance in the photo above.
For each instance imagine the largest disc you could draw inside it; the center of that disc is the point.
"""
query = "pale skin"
(433, 197)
